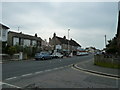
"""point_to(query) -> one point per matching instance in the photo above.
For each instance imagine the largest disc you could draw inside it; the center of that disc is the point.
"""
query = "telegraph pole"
(18, 28)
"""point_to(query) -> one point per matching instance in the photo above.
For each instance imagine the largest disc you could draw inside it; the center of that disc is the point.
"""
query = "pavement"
(89, 66)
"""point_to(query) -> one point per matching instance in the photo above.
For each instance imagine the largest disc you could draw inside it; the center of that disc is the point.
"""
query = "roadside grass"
(108, 65)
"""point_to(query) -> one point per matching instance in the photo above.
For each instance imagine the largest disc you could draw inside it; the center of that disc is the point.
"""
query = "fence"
(108, 60)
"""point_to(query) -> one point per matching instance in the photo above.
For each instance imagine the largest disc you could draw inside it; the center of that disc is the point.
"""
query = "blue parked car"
(42, 56)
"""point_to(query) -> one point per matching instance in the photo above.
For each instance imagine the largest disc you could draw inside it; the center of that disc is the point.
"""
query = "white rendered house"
(3, 33)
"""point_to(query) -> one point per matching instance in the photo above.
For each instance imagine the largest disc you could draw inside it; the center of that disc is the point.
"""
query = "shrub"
(11, 50)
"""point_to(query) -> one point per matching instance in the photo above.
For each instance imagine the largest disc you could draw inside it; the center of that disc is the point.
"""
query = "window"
(15, 41)
(21, 41)
(4, 33)
(26, 42)
(34, 43)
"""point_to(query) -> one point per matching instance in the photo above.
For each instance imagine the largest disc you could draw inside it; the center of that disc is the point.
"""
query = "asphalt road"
(17, 68)
(55, 73)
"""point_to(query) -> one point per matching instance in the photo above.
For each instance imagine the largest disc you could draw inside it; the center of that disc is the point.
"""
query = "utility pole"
(105, 41)
(68, 40)
(18, 28)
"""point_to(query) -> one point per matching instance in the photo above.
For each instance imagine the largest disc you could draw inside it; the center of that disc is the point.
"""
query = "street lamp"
(68, 40)
(105, 41)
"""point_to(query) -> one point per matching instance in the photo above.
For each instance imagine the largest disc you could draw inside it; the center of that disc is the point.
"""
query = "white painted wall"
(3, 34)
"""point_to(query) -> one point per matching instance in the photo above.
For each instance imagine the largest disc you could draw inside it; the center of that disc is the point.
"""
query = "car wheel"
(43, 58)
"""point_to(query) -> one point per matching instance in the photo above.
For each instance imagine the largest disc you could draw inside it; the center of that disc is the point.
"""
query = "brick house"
(15, 38)
(59, 43)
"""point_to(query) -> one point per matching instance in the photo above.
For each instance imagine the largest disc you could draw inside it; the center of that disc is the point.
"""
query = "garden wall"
(107, 61)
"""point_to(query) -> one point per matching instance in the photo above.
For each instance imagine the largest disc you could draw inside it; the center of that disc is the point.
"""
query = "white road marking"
(48, 70)
(61, 67)
(26, 74)
(55, 68)
(38, 72)
(95, 74)
(1, 83)
(11, 78)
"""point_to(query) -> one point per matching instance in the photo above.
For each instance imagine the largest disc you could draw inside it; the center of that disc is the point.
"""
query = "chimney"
(49, 39)
(54, 35)
(64, 37)
(35, 34)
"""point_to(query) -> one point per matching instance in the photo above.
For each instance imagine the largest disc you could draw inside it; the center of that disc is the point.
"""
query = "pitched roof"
(25, 36)
(65, 41)
(4, 26)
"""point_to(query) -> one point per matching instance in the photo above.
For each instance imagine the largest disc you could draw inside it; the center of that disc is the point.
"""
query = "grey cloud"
(88, 16)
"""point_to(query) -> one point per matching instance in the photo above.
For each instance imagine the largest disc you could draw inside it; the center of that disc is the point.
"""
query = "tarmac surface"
(90, 67)
(75, 72)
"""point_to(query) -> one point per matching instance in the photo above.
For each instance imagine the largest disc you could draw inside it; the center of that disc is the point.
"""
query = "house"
(63, 45)
(15, 38)
(45, 46)
(3, 32)
(3, 36)
(91, 49)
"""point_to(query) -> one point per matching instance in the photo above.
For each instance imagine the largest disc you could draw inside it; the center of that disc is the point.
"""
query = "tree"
(11, 50)
(112, 46)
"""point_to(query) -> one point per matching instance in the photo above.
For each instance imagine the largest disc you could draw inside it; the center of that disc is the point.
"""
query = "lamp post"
(105, 41)
(68, 40)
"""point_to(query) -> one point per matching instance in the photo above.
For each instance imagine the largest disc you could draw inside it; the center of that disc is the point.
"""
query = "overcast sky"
(88, 21)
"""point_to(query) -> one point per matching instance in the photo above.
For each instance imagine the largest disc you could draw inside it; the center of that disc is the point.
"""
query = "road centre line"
(11, 78)
(47, 70)
(38, 72)
(24, 75)
(27, 74)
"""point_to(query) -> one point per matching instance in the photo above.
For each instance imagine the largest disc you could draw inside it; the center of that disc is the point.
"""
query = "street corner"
(100, 71)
